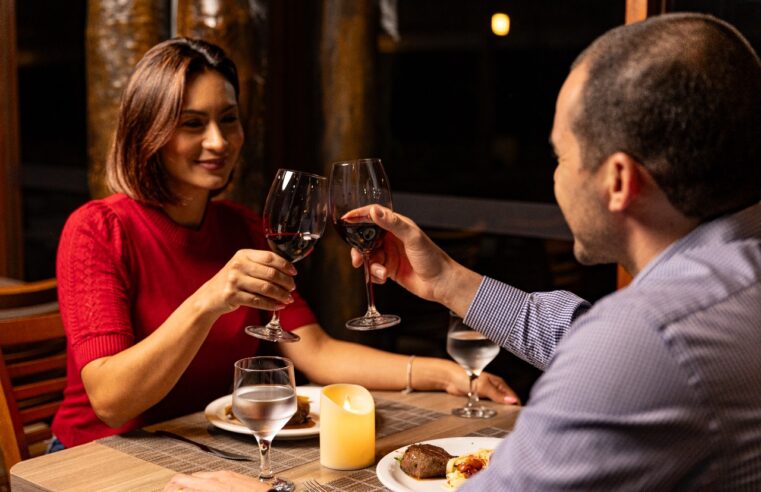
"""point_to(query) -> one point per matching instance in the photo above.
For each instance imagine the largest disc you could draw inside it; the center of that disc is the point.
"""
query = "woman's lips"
(212, 164)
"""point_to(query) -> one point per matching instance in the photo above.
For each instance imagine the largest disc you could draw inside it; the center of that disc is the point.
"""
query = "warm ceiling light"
(500, 24)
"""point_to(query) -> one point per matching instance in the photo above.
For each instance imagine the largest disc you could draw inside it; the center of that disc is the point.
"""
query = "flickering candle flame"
(347, 403)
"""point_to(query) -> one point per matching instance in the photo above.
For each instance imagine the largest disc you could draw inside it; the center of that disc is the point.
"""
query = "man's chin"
(587, 257)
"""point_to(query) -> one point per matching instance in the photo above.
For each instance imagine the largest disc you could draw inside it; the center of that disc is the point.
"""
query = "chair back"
(33, 376)
(27, 298)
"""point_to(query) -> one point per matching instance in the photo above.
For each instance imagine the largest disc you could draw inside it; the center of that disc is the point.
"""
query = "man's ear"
(623, 180)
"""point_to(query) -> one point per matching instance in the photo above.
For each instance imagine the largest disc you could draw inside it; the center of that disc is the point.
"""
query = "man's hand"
(412, 260)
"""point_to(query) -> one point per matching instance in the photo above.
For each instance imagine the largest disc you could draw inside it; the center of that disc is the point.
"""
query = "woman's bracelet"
(409, 388)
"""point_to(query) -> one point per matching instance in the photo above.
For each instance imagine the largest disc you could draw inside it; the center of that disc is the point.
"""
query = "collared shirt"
(655, 387)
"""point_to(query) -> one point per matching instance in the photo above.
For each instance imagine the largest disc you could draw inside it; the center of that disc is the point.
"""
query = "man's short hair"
(680, 93)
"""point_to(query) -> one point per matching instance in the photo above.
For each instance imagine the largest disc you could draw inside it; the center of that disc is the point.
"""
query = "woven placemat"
(366, 480)
(391, 417)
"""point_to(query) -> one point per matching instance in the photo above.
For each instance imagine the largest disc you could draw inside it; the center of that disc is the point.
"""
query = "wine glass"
(294, 219)
(473, 351)
(355, 184)
(264, 399)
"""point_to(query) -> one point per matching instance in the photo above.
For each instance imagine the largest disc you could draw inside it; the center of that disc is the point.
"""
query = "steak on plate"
(425, 461)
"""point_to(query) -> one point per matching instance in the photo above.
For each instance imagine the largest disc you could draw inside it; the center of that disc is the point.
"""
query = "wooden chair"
(27, 298)
(33, 376)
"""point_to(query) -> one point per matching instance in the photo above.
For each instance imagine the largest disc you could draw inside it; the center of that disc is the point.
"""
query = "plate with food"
(305, 423)
(437, 465)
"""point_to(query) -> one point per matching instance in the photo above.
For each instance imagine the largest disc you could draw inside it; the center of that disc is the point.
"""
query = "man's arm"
(528, 325)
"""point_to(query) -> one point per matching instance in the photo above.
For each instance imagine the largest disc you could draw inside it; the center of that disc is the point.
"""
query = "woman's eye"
(230, 118)
(192, 124)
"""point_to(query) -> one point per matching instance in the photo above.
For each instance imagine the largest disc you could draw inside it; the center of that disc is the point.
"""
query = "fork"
(203, 447)
(315, 486)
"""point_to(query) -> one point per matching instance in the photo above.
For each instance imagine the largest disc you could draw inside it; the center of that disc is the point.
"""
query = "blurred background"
(457, 100)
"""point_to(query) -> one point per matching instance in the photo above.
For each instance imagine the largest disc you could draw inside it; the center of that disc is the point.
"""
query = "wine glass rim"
(288, 363)
(348, 162)
(312, 175)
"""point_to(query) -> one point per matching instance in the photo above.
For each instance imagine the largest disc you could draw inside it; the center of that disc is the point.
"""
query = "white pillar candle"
(347, 427)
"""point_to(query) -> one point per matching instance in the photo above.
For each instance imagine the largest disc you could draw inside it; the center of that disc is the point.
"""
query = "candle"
(347, 427)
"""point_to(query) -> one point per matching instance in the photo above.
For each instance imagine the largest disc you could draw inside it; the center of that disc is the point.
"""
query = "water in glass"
(473, 351)
(264, 399)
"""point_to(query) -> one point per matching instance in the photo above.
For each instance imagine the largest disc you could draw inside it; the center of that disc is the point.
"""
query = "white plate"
(215, 414)
(392, 476)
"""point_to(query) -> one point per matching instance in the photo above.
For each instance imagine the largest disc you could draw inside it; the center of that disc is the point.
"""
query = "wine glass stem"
(472, 393)
(371, 311)
(274, 324)
(265, 470)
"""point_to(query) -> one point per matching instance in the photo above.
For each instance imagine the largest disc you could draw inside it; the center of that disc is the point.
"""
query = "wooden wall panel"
(119, 32)
(637, 10)
(349, 114)
(11, 246)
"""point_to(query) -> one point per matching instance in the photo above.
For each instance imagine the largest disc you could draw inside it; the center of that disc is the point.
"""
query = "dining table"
(145, 460)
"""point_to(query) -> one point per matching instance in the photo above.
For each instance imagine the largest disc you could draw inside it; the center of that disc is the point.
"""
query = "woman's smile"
(213, 164)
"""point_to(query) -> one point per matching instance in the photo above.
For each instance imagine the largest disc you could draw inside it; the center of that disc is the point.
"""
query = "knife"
(204, 447)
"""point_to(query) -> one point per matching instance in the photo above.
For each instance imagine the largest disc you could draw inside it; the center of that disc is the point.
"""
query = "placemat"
(366, 480)
(391, 417)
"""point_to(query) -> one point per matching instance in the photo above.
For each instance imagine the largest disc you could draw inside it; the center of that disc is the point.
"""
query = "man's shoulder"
(695, 277)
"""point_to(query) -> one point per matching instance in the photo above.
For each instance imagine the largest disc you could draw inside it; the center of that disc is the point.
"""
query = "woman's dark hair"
(150, 110)
(680, 93)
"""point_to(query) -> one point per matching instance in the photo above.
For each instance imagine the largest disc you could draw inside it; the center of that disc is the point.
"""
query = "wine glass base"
(367, 323)
(271, 335)
(474, 412)
(280, 485)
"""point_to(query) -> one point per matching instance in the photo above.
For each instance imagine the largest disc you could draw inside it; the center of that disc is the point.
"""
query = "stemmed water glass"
(473, 351)
(294, 219)
(355, 184)
(264, 399)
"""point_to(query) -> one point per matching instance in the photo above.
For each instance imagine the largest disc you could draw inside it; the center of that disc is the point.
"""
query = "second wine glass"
(473, 351)
(355, 184)
(295, 214)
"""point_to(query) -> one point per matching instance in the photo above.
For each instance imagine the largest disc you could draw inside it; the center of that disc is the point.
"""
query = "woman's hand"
(254, 278)
(219, 481)
(411, 259)
(487, 386)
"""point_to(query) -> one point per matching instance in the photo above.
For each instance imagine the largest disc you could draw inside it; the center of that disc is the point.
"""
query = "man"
(658, 386)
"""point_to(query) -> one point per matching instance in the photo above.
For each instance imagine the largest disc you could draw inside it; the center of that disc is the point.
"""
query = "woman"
(157, 281)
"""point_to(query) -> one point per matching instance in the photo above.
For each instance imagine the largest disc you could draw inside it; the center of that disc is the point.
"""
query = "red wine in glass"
(294, 218)
(355, 184)
(365, 236)
(293, 246)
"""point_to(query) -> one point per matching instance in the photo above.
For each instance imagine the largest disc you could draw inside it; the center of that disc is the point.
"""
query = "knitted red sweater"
(123, 267)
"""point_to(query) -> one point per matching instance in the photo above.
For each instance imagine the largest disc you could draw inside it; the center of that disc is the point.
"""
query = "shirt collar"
(739, 225)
